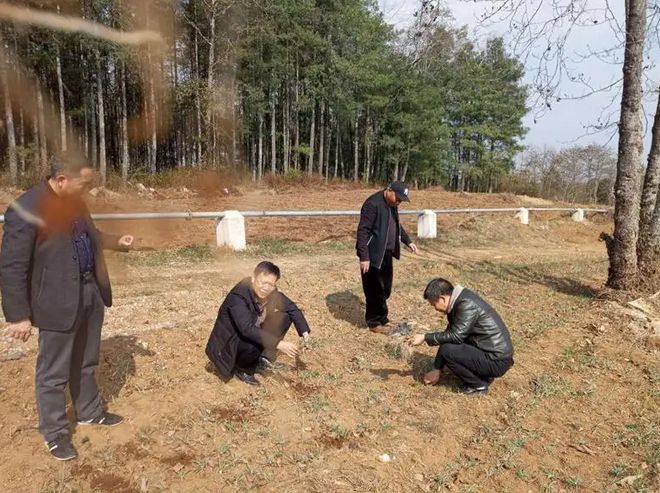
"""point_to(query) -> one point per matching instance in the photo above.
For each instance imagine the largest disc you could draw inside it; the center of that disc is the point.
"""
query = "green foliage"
(439, 110)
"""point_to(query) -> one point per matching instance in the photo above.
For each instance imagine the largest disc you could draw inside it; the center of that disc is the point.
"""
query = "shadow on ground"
(118, 363)
(347, 306)
(523, 274)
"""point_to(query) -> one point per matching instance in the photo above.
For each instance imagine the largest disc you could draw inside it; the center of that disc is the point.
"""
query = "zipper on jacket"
(387, 235)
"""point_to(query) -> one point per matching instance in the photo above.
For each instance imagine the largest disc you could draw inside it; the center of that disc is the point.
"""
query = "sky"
(570, 121)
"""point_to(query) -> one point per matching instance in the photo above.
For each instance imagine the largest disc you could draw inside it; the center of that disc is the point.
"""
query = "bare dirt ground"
(579, 411)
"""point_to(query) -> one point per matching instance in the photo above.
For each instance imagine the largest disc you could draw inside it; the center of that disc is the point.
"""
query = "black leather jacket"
(473, 321)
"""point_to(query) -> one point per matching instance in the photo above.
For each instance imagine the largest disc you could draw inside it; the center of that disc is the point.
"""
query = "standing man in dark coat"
(53, 276)
(379, 238)
(251, 325)
(476, 346)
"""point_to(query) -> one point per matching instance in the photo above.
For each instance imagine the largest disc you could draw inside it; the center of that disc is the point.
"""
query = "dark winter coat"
(39, 270)
(373, 228)
(238, 318)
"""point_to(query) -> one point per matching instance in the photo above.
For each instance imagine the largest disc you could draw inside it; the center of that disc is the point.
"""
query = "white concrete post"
(427, 224)
(230, 231)
(578, 215)
(523, 215)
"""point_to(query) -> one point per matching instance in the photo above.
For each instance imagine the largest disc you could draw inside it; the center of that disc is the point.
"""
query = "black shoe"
(61, 448)
(264, 365)
(490, 380)
(105, 419)
(482, 390)
(246, 377)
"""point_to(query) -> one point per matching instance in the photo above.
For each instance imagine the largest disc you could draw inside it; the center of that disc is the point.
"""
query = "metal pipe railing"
(129, 216)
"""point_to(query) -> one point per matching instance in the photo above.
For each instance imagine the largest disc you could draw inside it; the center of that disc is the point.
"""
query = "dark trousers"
(70, 358)
(471, 365)
(377, 286)
(277, 324)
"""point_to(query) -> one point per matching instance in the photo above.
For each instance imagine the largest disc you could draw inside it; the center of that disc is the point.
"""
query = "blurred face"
(74, 186)
(442, 303)
(390, 198)
(264, 284)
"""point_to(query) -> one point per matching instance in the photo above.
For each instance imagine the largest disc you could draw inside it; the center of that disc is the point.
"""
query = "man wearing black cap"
(53, 276)
(379, 235)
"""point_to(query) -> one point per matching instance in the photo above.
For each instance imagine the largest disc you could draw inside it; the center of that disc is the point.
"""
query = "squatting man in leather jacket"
(476, 346)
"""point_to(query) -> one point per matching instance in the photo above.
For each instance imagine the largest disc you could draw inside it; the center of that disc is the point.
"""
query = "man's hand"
(364, 266)
(416, 340)
(126, 241)
(20, 330)
(413, 248)
(288, 348)
(432, 377)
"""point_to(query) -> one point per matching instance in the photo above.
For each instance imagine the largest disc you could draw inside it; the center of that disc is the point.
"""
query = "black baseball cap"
(400, 189)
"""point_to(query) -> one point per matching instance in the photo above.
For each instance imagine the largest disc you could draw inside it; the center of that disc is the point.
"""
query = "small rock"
(385, 458)
(655, 325)
(12, 355)
(635, 314)
(653, 341)
(628, 480)
(141, 187)
(144, 485)
(165, 326)
(419, 477)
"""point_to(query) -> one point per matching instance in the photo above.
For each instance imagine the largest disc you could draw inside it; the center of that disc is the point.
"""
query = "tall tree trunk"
(648, 244)
(337, 139)
(651, 181)
(356, 149)
(285, 129)
(312, 135)
(296, 141)
(21, 140)
(321, 138)
(198, 99)
(233, 123)
(622, 249)
(328, 132)
(153, 142)
(9, 124)
(179, 149)
(405, 164)
(367, 149)
(209, 81)
(85, 144)
(43, 149)
(60, 87)
(125, 156)
(101, 108)
(260, 149)
(93, 134)
(35, 138)
(273, 134)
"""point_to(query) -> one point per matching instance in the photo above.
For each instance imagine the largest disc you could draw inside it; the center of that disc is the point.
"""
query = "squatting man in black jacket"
(53, 276)
(379, 238)
(476, 346)
(251, 325)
